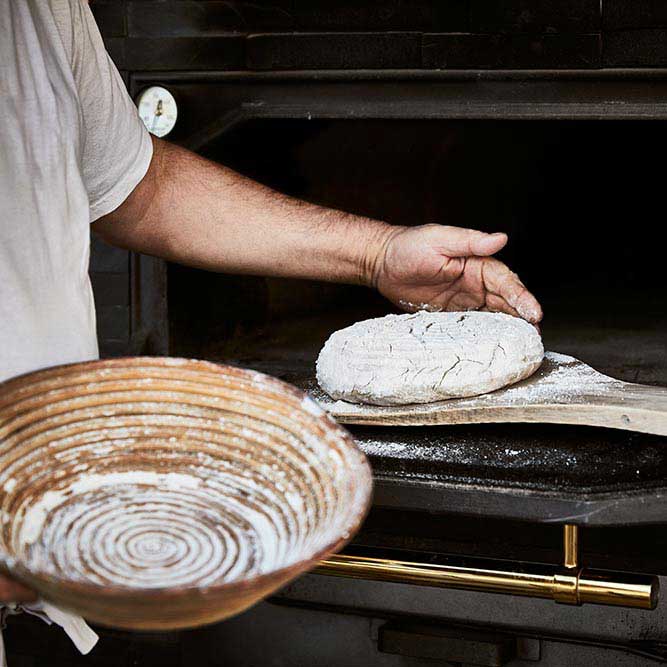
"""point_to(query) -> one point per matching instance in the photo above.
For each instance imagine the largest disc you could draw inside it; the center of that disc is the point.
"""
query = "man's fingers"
(496, 304)
(13, 591)
(465, 301)
(460, 242)
(488, 244)
(502, 282)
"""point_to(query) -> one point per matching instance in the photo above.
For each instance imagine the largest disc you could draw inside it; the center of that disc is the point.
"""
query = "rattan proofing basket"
(158, 493)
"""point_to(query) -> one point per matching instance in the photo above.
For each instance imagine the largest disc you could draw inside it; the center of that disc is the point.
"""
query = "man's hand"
(436, 267)
(12, 591)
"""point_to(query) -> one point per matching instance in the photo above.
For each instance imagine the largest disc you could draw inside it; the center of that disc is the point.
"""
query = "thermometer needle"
(158, 113)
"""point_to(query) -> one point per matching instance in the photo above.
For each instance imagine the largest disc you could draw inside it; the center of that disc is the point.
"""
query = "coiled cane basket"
(159, 493)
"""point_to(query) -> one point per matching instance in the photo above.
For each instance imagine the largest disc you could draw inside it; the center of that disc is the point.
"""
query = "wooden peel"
(564, 390)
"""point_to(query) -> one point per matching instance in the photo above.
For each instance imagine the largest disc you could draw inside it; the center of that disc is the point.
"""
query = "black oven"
(541, 119)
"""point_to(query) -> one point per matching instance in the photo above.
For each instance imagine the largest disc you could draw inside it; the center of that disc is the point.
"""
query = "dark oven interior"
(580, 200)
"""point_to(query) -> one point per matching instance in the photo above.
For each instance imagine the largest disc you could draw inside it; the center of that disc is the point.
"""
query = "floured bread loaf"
(425, 357)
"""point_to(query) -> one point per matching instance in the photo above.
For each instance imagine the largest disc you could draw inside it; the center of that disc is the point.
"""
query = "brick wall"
(110, 276)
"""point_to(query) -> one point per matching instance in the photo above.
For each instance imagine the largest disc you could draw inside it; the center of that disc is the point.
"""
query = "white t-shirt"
(72, 148)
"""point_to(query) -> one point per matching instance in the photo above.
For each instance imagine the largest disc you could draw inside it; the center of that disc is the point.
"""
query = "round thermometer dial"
(158, 110)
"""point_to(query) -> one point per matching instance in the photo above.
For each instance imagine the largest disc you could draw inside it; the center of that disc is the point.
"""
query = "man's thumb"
(460, 242)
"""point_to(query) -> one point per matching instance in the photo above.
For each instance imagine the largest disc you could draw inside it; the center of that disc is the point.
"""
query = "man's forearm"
(196, 212)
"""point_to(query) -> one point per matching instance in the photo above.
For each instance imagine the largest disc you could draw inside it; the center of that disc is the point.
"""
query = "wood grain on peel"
(564, 390)
(166, 493)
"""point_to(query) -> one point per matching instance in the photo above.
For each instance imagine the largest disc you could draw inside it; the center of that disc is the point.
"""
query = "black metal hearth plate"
(543, 458)
(534, 472)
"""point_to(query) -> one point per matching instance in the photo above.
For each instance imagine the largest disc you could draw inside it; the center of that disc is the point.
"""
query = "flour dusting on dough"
(426, 357)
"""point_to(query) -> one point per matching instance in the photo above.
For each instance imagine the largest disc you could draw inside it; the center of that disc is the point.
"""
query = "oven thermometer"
(158, 110)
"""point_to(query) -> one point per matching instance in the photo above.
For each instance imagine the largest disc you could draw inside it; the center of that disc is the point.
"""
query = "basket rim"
(45, 581)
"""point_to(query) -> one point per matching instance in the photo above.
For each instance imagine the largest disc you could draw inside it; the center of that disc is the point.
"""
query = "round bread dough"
(425, 357)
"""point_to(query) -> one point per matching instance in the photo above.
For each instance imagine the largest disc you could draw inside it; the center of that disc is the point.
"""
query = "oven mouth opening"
(580, 201)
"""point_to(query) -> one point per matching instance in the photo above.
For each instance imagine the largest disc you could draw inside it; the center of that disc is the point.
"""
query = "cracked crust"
(425, 357)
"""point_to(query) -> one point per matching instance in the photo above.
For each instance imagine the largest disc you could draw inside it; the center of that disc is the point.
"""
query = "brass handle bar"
(565, 585)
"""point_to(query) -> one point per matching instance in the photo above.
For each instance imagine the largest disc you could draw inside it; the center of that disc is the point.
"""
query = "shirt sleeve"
(116, 147)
